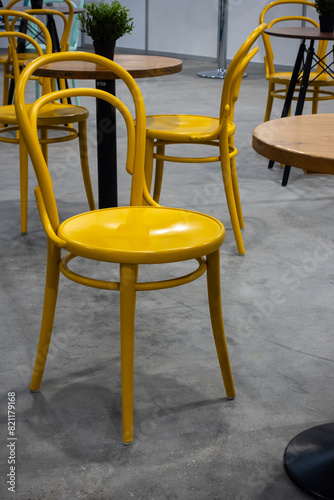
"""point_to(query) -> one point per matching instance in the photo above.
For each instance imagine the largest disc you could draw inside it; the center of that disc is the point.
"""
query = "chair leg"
(50, 300)
(228, 185)
(128, 275)
(213, 280)
(149, 149)
(74, 85)
(270, 101)
(5, 84)
(44, 144)
(315, 101)
(36, 90)
(235, 185)
(5, 93)
(23, 184)
(83, 149)
(159, 171)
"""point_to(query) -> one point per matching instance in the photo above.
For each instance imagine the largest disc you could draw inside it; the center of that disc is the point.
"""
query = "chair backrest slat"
(234, 75)
(136, 134)
(11, 19)
(269, 55)
(67, 19)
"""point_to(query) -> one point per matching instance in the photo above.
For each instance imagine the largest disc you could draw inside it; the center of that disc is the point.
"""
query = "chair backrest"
(269, 56)
(11, 20)
(74, 35)
(67, 19)
(136, 134)
(235, 72)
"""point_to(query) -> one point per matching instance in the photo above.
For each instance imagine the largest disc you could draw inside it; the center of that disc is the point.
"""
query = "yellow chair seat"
(180, 127)
(21, 57)
(284, 77)
(142, 235)
(55, 113)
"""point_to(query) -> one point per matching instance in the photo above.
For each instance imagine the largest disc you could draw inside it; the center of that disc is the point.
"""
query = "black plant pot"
(37, 4)
(326, 24)
(105, 49)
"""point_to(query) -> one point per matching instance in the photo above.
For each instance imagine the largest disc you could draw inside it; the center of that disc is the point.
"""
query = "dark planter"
(105, 49)
(37, 4)
(326, 24)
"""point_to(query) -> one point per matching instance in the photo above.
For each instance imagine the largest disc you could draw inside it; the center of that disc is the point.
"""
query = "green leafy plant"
(105, 22)
(324, 7)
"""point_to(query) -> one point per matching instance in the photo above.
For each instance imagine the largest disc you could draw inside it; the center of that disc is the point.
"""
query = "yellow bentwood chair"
(57, 117)
(142, 233)
(317, 90)
(164, 130)
(27, 52)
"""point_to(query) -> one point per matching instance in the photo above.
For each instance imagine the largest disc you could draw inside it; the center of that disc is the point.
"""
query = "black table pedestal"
(106, 151)
(309, 461)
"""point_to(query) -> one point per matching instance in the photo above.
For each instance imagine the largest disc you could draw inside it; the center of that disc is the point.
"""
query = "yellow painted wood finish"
(59, 117)
(141, 233)
(164, 130)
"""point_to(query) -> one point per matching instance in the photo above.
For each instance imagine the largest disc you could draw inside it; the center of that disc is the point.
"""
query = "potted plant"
(105, 23)
(325, 9)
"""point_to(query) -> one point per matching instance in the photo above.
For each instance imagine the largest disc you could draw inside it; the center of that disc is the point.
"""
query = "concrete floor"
(190, 443)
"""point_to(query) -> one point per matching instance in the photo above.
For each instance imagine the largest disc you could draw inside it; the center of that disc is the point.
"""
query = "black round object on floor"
(309, 461)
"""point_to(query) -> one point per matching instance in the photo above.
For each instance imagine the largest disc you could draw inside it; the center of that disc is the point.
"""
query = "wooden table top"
(306, 33)
(304, 141)
(139, 66)
(56, 6)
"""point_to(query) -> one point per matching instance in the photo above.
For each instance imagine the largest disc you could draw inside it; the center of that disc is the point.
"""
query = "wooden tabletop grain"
(139, 66)
(304, 141)
(306, 33)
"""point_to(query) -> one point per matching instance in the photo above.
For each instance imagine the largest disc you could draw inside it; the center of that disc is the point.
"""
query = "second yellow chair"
(164, 130)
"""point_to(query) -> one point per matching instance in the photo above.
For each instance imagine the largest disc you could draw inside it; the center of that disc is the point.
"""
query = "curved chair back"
(11, 18)
(234, 75)
(269, 56)
(67, 19)
(74, 34)
(28, 126)
(238, 79)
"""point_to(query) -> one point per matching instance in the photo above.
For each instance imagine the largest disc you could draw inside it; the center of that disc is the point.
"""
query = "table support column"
(106, 150)
(222, 43)
(301, 99)
(292, 85)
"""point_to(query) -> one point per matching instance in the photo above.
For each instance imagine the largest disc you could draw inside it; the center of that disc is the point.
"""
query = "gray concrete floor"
(190, 441)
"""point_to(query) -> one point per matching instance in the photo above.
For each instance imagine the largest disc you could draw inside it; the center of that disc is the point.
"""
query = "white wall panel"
(135, 40)
(183, 26)
(190, 27)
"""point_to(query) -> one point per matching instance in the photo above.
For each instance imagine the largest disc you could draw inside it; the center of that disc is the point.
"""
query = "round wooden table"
(300, 32)
(301, 71)
(305, 142)
(139, 66)
(56, 6)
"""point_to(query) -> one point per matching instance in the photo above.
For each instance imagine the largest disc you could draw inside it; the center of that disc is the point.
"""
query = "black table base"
(107, 152)
(309, 461)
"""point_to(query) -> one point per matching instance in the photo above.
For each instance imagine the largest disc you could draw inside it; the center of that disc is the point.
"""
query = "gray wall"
(190, 28)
